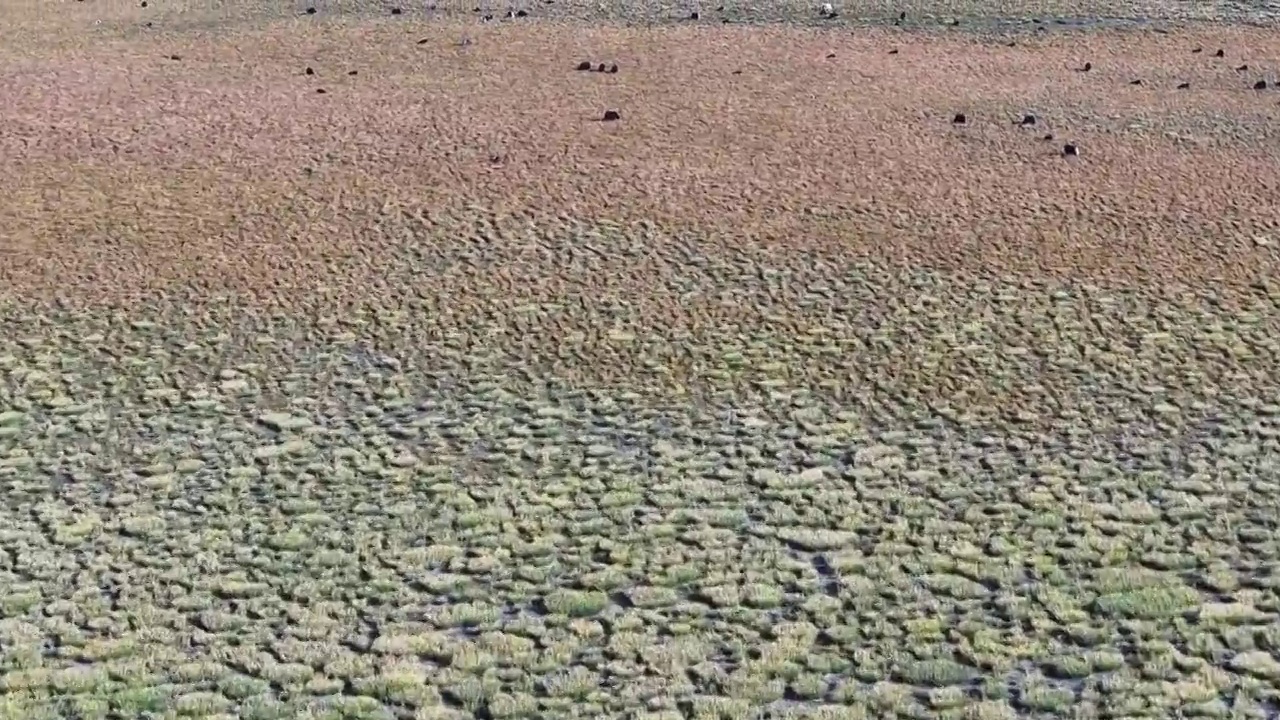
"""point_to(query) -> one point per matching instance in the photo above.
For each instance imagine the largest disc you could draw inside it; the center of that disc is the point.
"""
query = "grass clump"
(576, 603)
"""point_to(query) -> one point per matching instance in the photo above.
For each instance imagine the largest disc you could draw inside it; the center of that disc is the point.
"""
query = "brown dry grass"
(130, 171)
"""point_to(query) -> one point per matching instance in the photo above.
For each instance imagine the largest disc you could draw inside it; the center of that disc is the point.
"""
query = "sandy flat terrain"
(784, 394)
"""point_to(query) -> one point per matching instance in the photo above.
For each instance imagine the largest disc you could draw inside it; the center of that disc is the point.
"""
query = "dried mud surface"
(783, 395)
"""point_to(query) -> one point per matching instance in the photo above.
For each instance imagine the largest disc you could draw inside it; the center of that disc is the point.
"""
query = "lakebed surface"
(784, 394)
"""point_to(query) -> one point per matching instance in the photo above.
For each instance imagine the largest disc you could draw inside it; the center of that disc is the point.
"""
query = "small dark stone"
(353, 72)
(396, 11)
(736, 72)
(959, 119)
(694, 15)
(423, 41)
(584, 66)
(611, 115)
(522, 13)
(1135, 82)
(893, 51)
(175, 57)
(1260, 85)
(1184, 86)
(321, 91)
(146, 24)
(902, 16)
(309, 71)
(1220, 53)
(1087, 67)
(830, 55)
(1011, 43)
(475, 10)
(600, 68)
(1028, 120)
(613, 69)
(1242, 68)
(1070, 150)
(511, 14)
(311, 11)
(1197, 51)
(1047, 137)
(143, 3)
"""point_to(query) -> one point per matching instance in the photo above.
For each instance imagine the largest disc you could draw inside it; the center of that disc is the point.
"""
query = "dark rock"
(611, 115)
(959, 119)
(1028, 120)
(146, 24)
(694, 15)
(143, 3)
(830, 55)
(522, 13)
(584, 66)
(1087, 67)
(423, 41)
(601, 68)
(1070, 150)
(396, 11)
(893, 51)
(1260, 85)
(309, 71)
(902, 16)
(736, 72)
(1184, 86)
(321, 91)
(1220, 53)
(1197, 50)
(613, 69)
(1243, 68)
(175, 57)
(511, 14)
(311, 11)
(1047, 137)
(1135, 82)
(353, 72)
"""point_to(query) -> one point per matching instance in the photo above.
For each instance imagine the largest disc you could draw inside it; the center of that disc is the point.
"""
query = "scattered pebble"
(396, 11)
(694, 15)
(959, 119)
(522, 13)
(893, 51)
(600, 67)
(1220, 53)
(353, 72)
(613, 68)
(1197, 50)
(830, 55)
(1087, 67)
(310, 71)
(1260, 85)
(611, 115)
(1028, 120)
(311, 11)
(143, 3)
(1242, 68)
(1070, 150)
(1135, 82)
(423, 41)
(321, 91)
(1184, 86)
(1047, 137)
(175, 57)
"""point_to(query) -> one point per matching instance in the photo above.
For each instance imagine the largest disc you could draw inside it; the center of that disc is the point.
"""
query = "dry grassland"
(783, 395)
